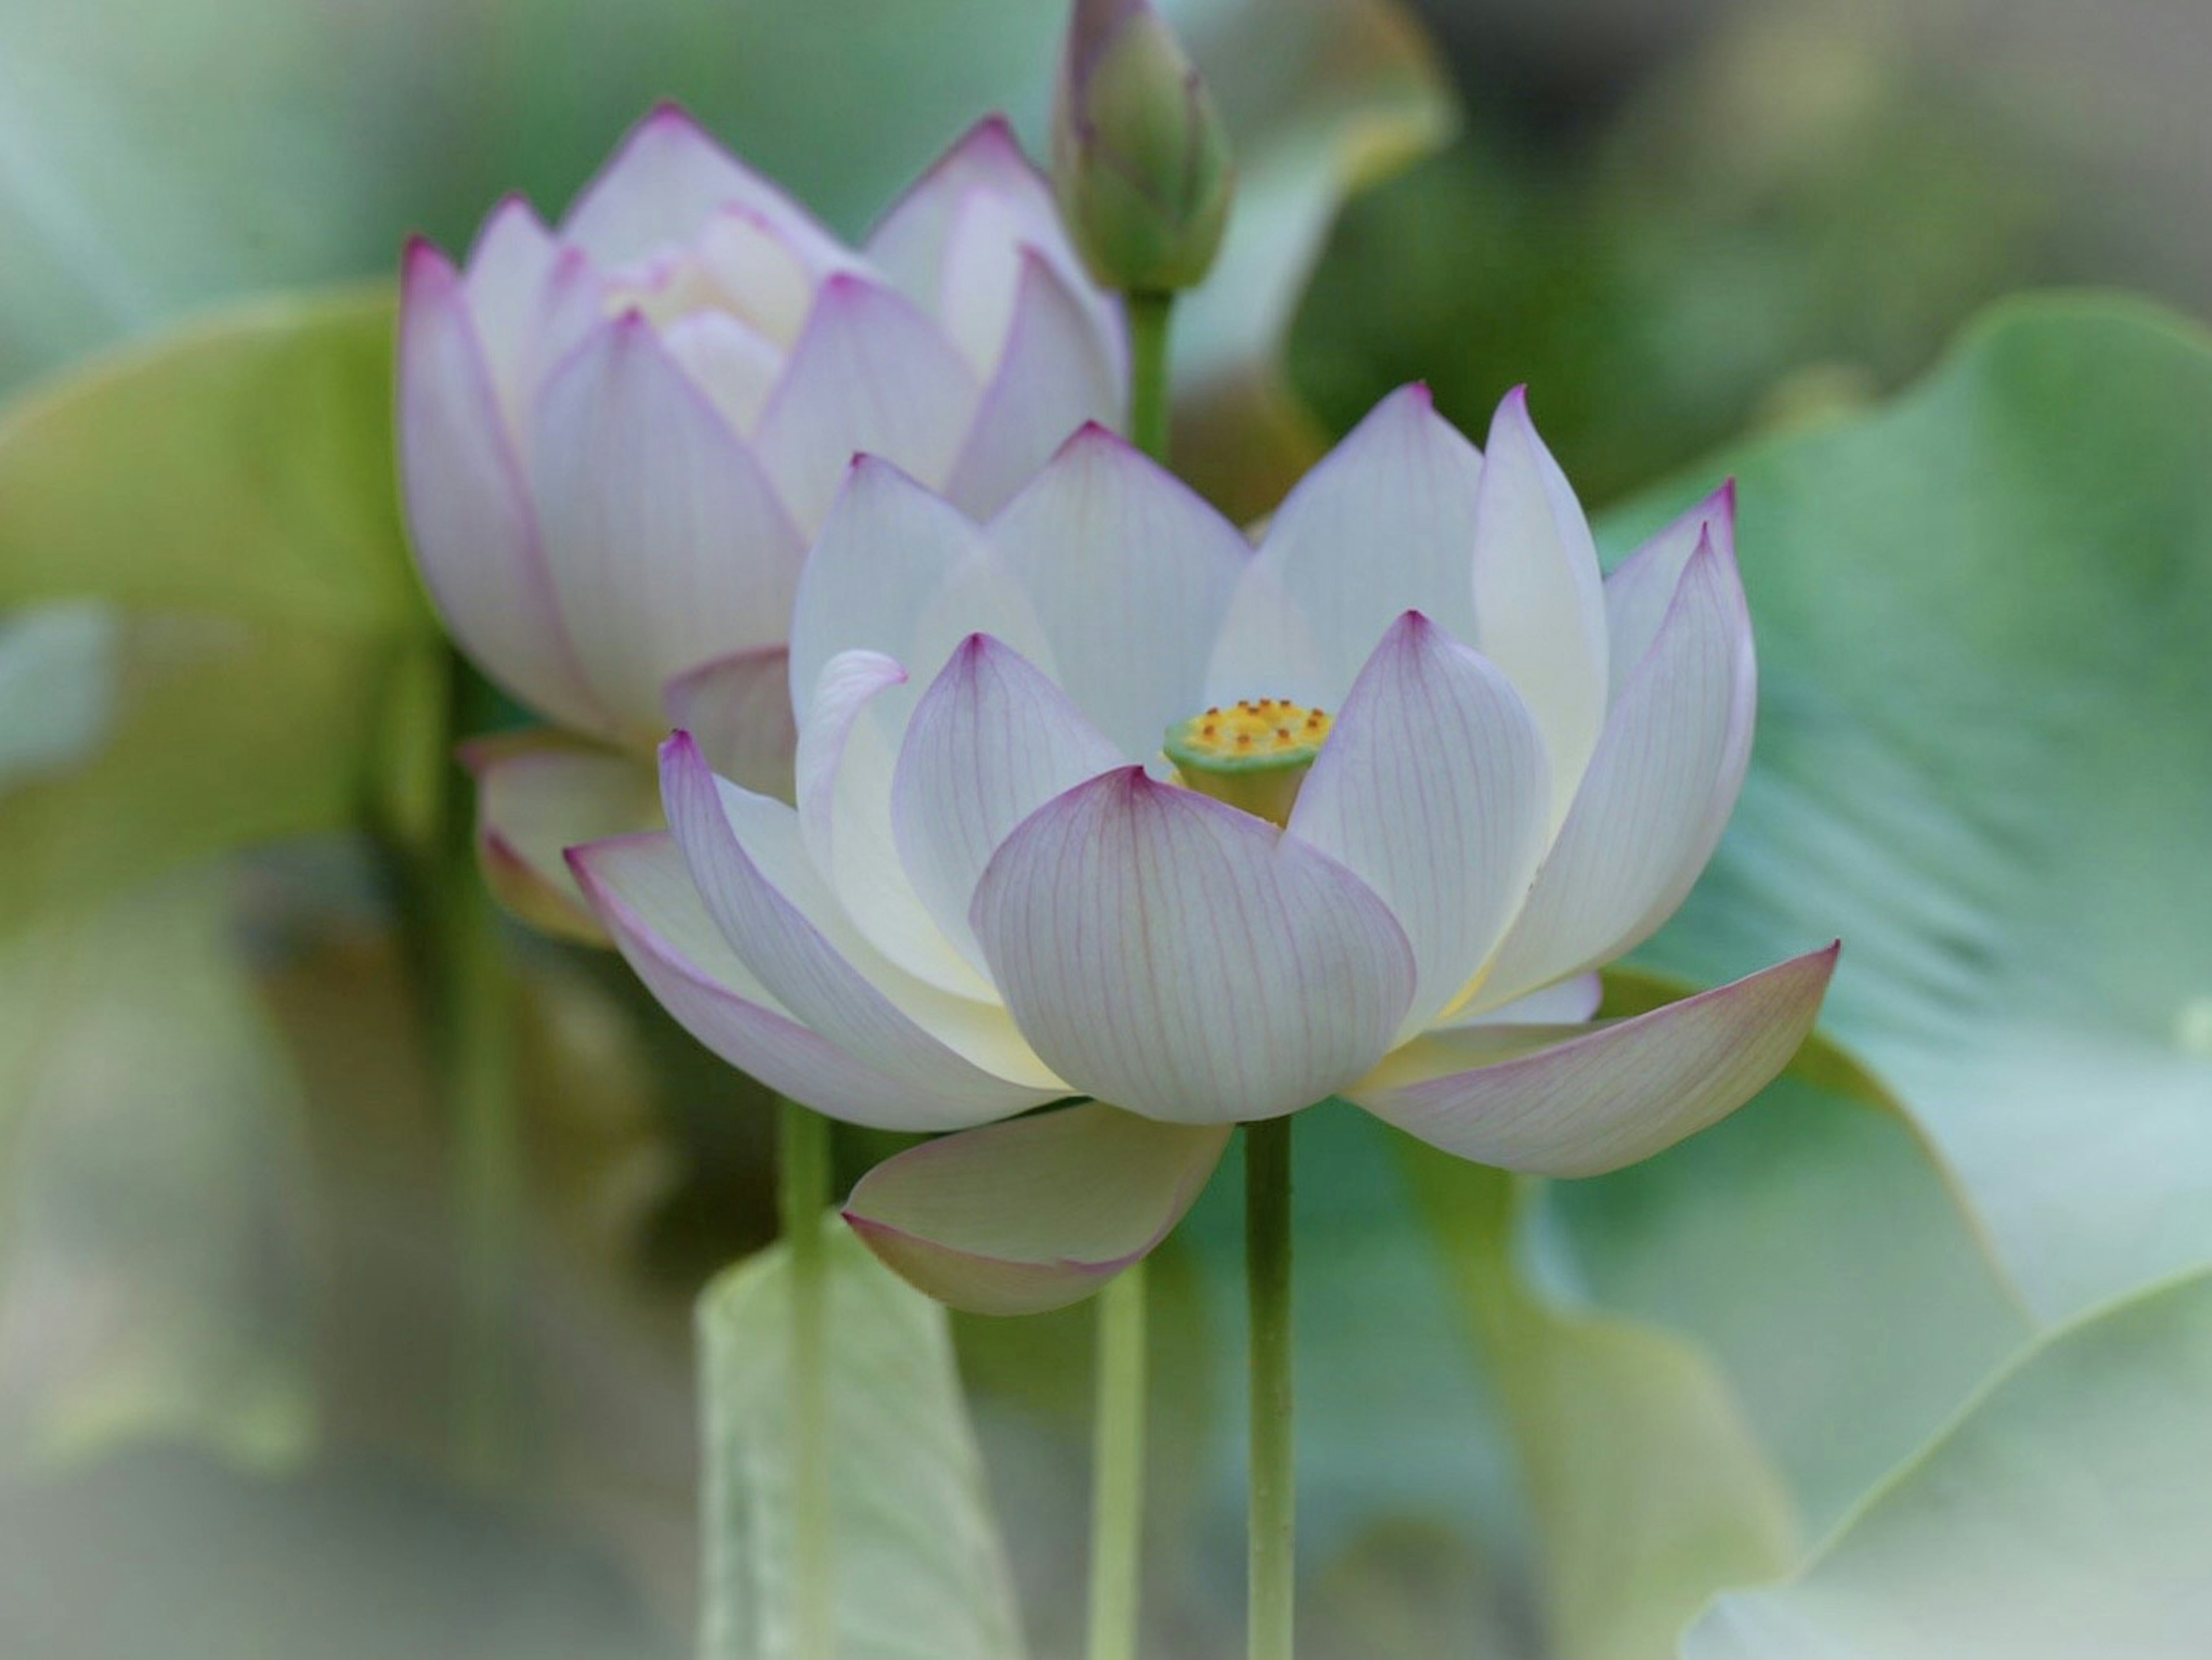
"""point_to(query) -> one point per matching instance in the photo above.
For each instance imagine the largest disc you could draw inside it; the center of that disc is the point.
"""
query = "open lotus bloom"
(619, 437)
(1094, 799)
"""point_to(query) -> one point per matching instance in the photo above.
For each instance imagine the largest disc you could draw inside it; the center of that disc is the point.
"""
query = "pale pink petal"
(1605, 1097)
(889, 548)
(1055, 376)
(507, 277)
(642, 890)
(984, 260)
(1384, 525)
(1657, 793)
(1539, 600)
(667, 544)
(770, 284)
(1185, 960)
(468, 512)
(1035, 1215)
(733, 363)
(737, 710)
(1130, 574)
(664, 182)
(1433, 790)
(1642, 587)
(991, 741)
(868, 372)
(538, 794)
(788, 927)
(1567, 1002)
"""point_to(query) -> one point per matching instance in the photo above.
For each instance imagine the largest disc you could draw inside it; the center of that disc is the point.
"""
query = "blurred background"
(235, 1372)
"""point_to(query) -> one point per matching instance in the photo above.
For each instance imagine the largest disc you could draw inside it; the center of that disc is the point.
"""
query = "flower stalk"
(1271, 1585)
(803, 1182)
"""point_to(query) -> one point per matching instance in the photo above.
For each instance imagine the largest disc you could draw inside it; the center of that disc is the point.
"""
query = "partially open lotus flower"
(618, 435)
(1094, 799)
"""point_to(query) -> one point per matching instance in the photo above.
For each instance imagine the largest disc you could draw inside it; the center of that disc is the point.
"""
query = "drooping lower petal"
(641, 890)
(1539, 600)
(1130, 573)
(1433, 789)
(1184, 959)
(1598, 1098)
(737, 710)
(788, 929)
(667, 543)
(991, 741)
(1053, 375)
(1656, 797)
(1022, 1217)
(869, 373)
(540, 794)
(467, 510)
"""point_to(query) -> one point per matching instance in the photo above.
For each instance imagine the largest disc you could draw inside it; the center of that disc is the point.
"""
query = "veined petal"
(1186, 960)
(1539, 600)
(1604, 1097)
(1641, 589)
(667, 543)
(733, 363)
(991, 741)
(642, 890)
(506, 277)
(1568, 1002)
(737, 710)
(1384, 525)
(469, 514)
(1129, 572)
(1657, 793)
(538, 794)
(912, 243)
(1433, 790)
(788, 929)
(1054, 375)
(868, 372)
(1022, 1217)
(661, 186)
(888, 547)
(984, 258)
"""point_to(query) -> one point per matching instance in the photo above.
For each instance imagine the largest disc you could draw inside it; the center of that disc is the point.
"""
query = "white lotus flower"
(618, 436)
(1424, 772)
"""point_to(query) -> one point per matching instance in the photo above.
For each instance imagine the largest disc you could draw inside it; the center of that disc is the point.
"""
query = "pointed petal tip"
(422, 262)
(666, 115)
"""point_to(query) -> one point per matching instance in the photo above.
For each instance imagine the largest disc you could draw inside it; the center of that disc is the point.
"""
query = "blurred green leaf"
(920, 1570)
(1984, 759)
(217, 518)
(2064, 1514)
(1646, 1484)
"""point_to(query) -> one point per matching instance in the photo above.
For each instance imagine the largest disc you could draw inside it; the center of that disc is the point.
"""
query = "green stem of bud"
(1149, 399)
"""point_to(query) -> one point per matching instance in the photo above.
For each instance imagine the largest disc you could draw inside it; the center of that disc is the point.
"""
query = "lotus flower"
(619, 436)
(1094, 799)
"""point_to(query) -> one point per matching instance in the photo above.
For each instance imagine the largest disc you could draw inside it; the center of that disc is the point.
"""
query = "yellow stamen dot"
(1253, 757)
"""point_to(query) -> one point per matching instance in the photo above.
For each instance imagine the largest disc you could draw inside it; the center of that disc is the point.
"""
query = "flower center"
(1253, 755)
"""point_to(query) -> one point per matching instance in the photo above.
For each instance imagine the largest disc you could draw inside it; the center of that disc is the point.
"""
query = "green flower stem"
(1117, 1464)
(802, 1195)
(1117, 1445)
(1271, 1584)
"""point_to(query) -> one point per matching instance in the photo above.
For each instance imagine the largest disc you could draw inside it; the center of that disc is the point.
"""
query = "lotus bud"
(1141, 156)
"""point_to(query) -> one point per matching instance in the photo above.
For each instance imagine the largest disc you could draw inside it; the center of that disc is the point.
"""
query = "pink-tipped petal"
(1539, 600)
(868, 372)
(1130, 574)
(1657, 793)
(641, 888)
(991, 741)
(1604, 1098)
(1054, 375)
(1384, 525)
(664, 182)
(1639, 592)
(788, 929)
(888, 548)
(737, 710)
(1433, 790)
(468, 512)
(506, 279)
(540, 794)
(667, 544)
(1035, 1215)
(1186, 960)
